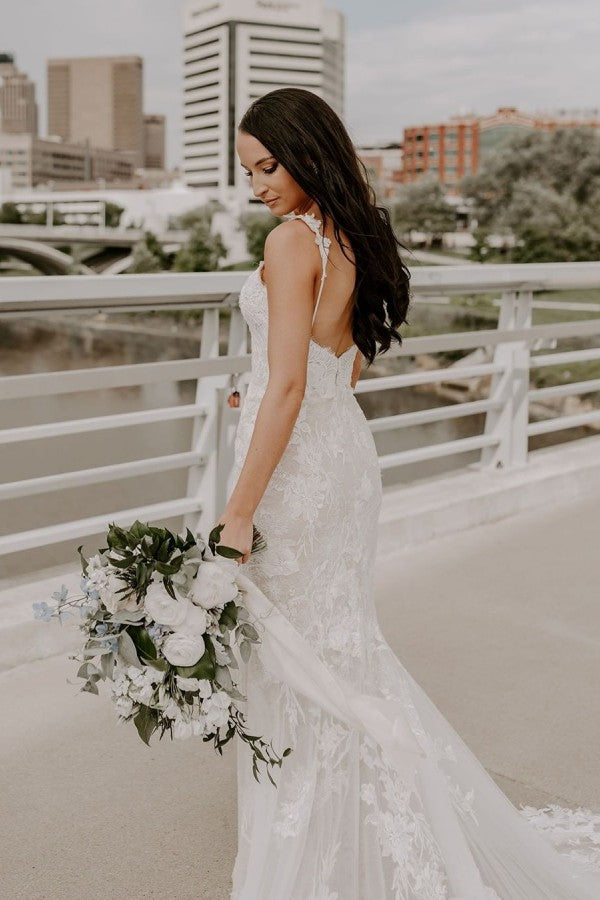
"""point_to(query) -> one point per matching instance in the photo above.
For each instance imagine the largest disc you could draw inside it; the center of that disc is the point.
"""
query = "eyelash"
(268, 171)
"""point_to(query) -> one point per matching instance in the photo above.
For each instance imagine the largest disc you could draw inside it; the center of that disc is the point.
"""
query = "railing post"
(236, 346)
(202, 478)
(510, 387)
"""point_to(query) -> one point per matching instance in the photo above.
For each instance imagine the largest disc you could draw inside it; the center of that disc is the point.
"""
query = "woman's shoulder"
(290, 236)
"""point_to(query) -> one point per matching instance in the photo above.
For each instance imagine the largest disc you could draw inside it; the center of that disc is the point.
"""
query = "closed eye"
(269, 171)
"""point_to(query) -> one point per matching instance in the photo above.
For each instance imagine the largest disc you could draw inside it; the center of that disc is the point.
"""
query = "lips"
(271, 201)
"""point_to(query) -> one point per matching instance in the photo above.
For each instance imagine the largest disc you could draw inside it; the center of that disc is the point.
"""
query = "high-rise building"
(154, 141)
(98, 99)
(238, 50)
(18, 107)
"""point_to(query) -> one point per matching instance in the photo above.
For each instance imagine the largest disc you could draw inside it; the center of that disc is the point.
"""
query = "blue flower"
(112, 643)
(61, 595)
(42, 611)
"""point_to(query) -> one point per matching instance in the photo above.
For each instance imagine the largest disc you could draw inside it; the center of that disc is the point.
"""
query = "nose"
(258, 189)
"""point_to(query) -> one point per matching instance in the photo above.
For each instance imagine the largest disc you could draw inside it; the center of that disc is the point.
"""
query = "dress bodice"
(326, 373)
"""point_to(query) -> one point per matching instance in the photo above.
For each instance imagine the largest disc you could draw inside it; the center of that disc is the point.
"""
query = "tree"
(112, 214)
(422, 206)
(197, 216)
(148, 256)
(203, 251)
(9, 214)
(544, 188)
(258, 226)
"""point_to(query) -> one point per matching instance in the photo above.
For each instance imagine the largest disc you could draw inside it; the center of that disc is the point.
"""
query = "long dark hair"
(310, 141)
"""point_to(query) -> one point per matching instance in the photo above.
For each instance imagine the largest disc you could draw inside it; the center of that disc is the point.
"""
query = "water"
(27, 346)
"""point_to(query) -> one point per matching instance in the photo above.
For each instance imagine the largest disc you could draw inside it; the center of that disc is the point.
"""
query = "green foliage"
(258, 226)
(422, 206)
(200, 215)
(113, 213)
(9, 214)
(202, 252)
(544, 188)
(148, 256)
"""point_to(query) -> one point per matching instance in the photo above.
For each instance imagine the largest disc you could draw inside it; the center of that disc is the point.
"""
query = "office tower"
(18, 108)
(154, 141)
(98, 99)
(237, 50)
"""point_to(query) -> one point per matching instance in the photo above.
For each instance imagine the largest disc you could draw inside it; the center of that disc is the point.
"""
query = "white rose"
(196, 620)
(214, 585)
(162, 608)
(182, 649)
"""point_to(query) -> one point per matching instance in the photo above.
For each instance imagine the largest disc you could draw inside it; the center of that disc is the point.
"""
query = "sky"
(407, 61)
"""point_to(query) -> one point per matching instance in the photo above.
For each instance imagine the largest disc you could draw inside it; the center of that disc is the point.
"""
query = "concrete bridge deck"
(500, 624)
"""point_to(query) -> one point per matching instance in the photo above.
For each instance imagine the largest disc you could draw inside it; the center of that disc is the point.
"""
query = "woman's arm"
(290, 275)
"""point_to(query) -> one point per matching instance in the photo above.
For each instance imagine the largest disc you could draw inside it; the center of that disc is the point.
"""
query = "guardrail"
(503, 442)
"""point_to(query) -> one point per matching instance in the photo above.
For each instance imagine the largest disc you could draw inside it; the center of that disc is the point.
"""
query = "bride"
(380, 798)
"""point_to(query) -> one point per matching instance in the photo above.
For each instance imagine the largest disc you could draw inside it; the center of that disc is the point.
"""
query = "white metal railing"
(207, 461)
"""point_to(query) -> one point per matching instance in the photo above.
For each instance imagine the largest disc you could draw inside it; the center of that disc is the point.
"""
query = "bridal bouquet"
(161, 622)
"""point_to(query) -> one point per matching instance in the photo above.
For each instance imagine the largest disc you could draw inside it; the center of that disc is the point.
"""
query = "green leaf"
(228, 552)
(142, 640)
(204, 668)
(146, 722)
(161, 664)
(90, 687)
(216, 533)
(84, 562)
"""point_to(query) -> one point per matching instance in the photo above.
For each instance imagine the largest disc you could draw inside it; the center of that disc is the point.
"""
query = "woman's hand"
(237, 533)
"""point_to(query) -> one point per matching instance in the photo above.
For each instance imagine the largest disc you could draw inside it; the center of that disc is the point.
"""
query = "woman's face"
(270, 182)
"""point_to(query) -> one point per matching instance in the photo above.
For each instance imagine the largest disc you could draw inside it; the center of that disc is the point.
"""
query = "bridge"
(486, 581)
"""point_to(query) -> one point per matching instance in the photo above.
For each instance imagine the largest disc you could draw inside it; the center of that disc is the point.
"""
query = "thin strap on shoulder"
(322, 242)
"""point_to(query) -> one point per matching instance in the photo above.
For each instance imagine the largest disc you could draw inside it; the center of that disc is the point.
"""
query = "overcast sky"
(407, 62)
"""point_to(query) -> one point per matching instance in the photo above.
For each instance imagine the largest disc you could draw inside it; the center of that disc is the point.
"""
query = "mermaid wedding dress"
(380, 798)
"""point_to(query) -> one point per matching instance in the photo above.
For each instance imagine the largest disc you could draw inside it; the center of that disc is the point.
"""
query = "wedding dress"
(380, 798)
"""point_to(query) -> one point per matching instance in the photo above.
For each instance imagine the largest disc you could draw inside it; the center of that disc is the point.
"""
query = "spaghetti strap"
(323, 243)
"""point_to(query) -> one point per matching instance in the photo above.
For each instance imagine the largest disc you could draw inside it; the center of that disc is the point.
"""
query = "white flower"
(124, 706)
(107, 581)
(182, 729)
(196, 620)
(201, 685)
(214, 585)
(162, 608)
(182, 649)
(216, 710)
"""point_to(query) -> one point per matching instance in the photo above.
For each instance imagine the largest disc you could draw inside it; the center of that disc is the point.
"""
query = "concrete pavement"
(500, 624)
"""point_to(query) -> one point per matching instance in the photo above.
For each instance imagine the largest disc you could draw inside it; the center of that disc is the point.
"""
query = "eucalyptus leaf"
(249, 631)
(223, 676)
(127, 650)
(245, 650)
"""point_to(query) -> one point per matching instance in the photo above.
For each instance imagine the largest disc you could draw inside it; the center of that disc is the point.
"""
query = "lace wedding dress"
(380, 798)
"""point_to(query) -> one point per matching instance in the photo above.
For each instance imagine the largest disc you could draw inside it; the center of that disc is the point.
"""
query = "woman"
(380, 798)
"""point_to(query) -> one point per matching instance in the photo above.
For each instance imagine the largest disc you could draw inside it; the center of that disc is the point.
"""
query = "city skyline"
(428, 61)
